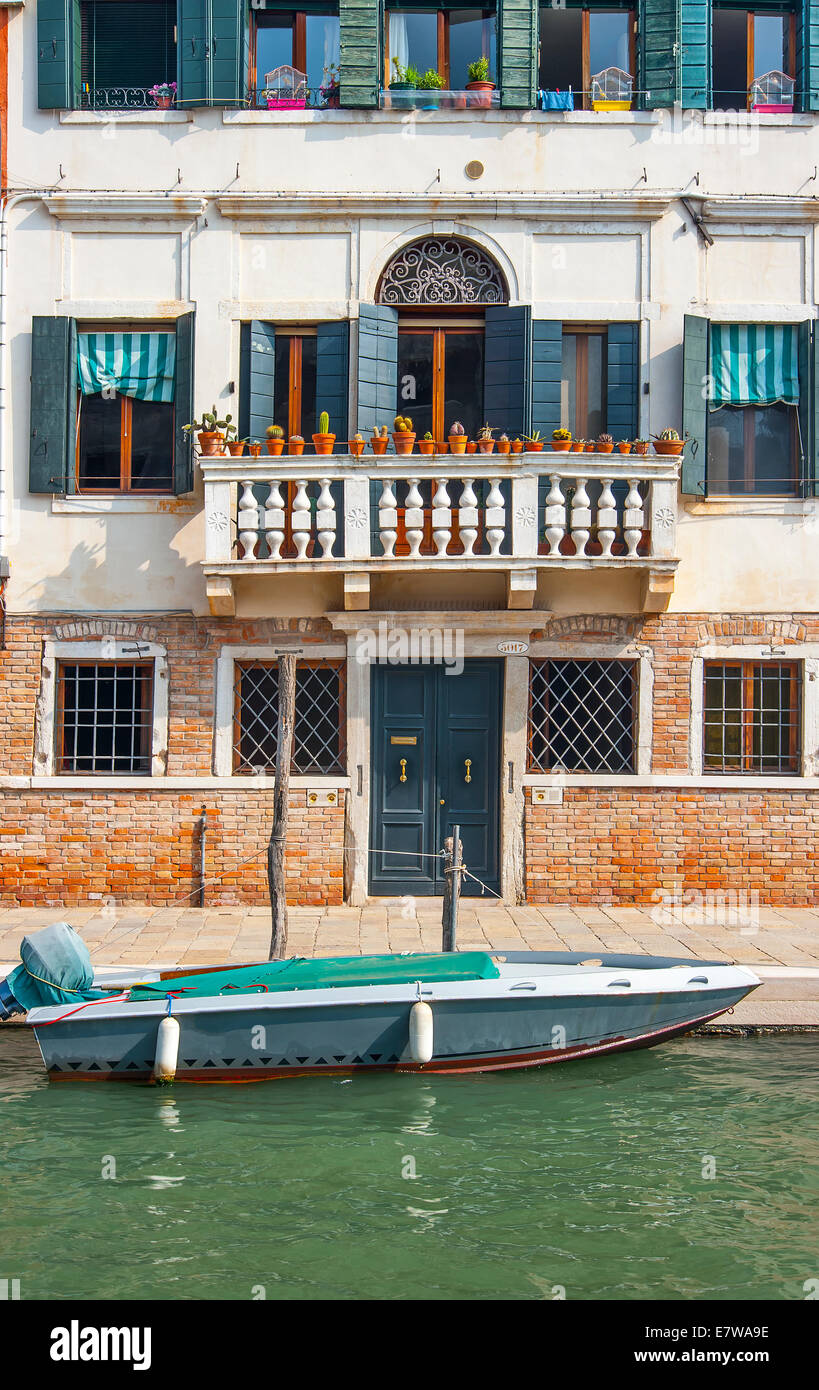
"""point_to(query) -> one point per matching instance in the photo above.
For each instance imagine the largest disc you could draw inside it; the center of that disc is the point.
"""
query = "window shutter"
(696, 367)
(53, 393)
(257, 374)
(507, 368)
(333, 374)
(547, 371)
(695, 48)
(517, 48)
(657, 46)
(377, 366)
(56, 21)
(808, 357)
(193, 48)
(183, 405)
(807, 54)
(623, 380)
(359, 50)
(229, 49)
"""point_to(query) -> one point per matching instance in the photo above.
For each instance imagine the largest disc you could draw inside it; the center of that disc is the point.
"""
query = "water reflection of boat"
(445, 1013)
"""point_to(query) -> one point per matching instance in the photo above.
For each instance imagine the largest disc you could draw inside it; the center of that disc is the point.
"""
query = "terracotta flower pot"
(561, 446)
(517, 446)
(669, 446)
(275, 447)
(472, 446)
(236, 447)
(589, 448)
(457, 443)
(323, 443)
(210, 442)
(483, 93)
(254, 450)
(403, 441)
(441, 447)
(378, 444)
(641, 447)
(486, 446)
(295, 446)
(504, 446)
(577, 446)
(426, 446)
(534, 446)
(356, 447)
(604, 448)
(624, 447)
(163, 103)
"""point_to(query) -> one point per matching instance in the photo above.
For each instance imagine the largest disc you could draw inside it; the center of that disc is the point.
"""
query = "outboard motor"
(56, 969)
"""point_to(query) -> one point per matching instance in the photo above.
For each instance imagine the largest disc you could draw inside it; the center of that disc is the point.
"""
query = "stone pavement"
(781, 944)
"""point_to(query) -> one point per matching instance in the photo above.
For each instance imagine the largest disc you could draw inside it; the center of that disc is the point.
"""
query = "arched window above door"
(440, 271)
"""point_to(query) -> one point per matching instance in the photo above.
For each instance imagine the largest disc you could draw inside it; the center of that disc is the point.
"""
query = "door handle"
(403, 776)
(468, 766)
(443, 803)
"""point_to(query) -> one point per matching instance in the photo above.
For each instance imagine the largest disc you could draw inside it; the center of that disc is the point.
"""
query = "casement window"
(753, 419)
(319, 734)
(306, 39)
(126, 47)
(294, 393)
(578, 43)
(441, 373)
(749, 44)
(125, 411)
(751, 717)
(443, 40)
(104, 717)
(583, 716)
(583, 382)
(289, 374)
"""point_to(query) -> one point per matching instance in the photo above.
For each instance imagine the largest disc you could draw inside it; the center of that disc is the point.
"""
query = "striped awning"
(754, 364)
(134, 364)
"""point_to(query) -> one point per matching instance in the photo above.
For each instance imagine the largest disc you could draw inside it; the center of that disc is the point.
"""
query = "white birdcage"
(611, 90)
(773, 91)
(285, 87)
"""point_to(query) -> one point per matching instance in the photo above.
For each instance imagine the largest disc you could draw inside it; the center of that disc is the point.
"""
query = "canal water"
(687, 1172)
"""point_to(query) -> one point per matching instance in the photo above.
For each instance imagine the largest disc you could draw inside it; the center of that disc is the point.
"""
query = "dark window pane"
(751, 449)
(151, 446)
(561, 49)
(281, 383)
(309, 405)
(730, 60)
(582, 716)
(319, 729)
(751, 720)
(100, 435)
(415, 353)
(130, 44)
(596, 413)
(471, 36)
(463, 382)
(413, 39)
(568, 385)
(106, 718)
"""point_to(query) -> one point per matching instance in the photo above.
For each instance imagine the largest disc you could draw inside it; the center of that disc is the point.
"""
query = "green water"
(586, 1176)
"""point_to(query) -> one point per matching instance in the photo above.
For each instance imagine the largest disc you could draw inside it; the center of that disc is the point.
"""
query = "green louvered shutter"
(696, 368)
(695, 50)
(229, 49)
(517, 48)
(56, 80)
(807, 55)
(333, 374)
(359, 49)
(193, 52)
(623, 380)
(811, 443)
(183, 405)
(806, 410)
(507, 368)
(257, 373)
(657, 47)
(377, 366)
(52, 411)
(547, 370)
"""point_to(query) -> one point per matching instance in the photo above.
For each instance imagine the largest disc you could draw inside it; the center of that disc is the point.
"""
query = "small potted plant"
(323, 440)
(457, 438)
(380, 439)
(624, 445)
(295, 444)
(668, 441)
(605, 443)
(504, 444)
(356, 445)
(234, 445)
(275, 439)
(486, 443)
(403, 435)
(211, 439)
(578, 445)
(561, 441)
(330, 91)
(427, 444)
(641, 446)
(518, 446)
(479, 83)
(534, 443)
(441, 446)
(254, 447)
(430, 83)
(588, 446)
(403, 84)
(164, 95)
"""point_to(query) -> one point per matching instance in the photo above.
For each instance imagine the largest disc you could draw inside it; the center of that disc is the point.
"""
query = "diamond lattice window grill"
(582, 716)
(442, 270)
(319, 731)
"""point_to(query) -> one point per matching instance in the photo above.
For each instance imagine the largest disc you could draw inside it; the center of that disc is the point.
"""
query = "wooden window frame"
(125, 457)
(749, 46)
(295, 333)
(747, 670)
(442, 39)
(585, 44)
(298, 27)
(148, 669)
(439, 326)
(582, 332)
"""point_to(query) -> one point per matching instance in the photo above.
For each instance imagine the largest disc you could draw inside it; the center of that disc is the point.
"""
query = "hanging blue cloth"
(556, 101)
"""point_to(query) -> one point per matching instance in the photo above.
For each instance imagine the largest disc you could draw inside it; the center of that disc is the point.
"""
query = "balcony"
(517, 514)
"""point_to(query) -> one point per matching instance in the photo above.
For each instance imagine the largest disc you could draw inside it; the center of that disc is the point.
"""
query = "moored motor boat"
(440, 1013)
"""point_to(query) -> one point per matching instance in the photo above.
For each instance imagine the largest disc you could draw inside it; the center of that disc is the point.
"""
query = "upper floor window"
(445, 41)
(127, 47)
(294, 391)
(125, 411)
(748, 45)
(753, 425)
(583, 382)
(578, 44)
(304, 39)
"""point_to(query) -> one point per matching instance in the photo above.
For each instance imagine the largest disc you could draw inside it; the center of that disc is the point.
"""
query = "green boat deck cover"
(326, 973)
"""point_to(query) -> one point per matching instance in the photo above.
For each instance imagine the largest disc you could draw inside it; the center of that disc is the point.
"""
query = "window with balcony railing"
(306, 39)
(579, 44)
(127, 48)
(753, 58)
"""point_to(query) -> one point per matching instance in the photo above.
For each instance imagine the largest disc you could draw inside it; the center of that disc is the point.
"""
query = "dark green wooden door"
(435, 763)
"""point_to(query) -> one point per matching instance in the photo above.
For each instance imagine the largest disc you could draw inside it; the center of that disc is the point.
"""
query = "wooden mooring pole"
(278, 833)
(453, 852)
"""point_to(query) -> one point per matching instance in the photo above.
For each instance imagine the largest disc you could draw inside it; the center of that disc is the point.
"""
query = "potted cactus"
(518, 446)
(504, 444)
(479, 83)
(380, 439)
(624, 445)
(457, 438)
(356, 445)
(211, 439)
(534, 443)
(323, 440)
(561, 441)
(605, 443)
(295, 444)
(578, 445)
(485, 441)
(233, 444)
(403, 435)
(668, 441)
(641, 446)
(275, 439)
(427, 444)
(254, 447)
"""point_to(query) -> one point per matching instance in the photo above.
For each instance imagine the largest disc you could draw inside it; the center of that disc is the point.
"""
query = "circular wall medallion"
(474, 169)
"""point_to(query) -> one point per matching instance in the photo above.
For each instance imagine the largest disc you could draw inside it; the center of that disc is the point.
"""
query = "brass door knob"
(443, 803)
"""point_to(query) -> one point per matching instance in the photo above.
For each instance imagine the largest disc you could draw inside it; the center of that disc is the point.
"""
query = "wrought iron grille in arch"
(442, 270)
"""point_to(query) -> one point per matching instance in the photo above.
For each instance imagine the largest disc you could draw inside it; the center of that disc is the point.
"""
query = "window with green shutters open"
(127, 53)
(580, 47)
(753, 58)
(753, 417)
(306, 39)
(125, 410)
(420, 40)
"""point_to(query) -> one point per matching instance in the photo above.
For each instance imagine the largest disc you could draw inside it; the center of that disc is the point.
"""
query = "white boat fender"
(167, 1047)
(421, 1031)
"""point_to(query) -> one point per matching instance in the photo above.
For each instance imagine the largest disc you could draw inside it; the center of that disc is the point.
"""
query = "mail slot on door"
(404, 738)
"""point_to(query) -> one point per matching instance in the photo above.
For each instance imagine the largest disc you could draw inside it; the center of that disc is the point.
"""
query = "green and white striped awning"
(134, 364)
(754, 364)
